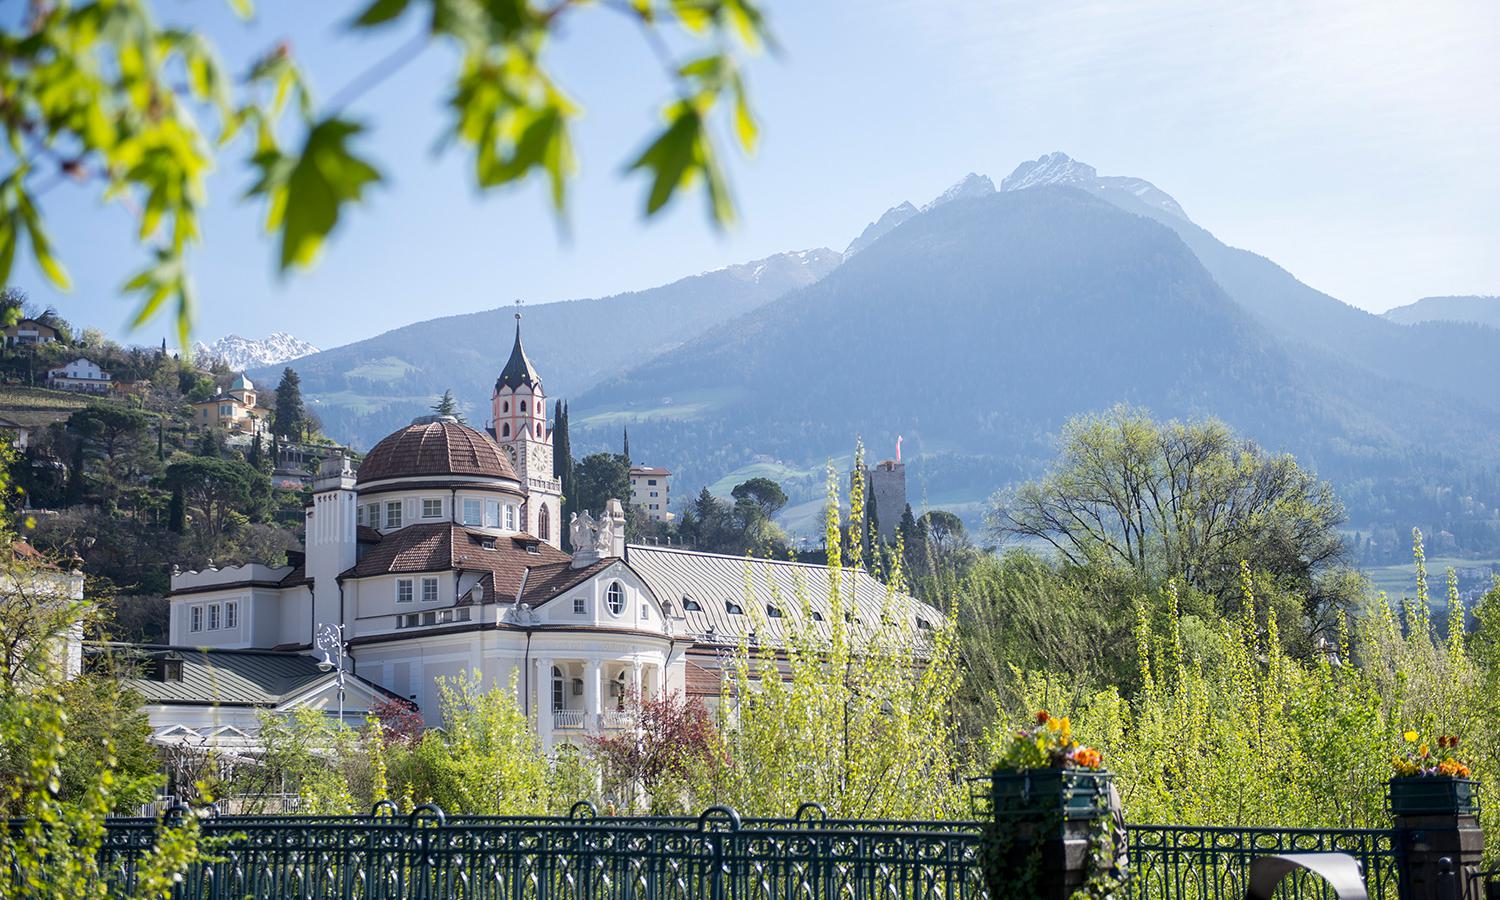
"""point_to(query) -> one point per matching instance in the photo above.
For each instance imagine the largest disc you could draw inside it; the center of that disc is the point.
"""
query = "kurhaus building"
(442, 555)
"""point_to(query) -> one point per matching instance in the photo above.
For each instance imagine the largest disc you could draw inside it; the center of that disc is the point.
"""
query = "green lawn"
(680, 408)
(387, 368)
(1401, 581)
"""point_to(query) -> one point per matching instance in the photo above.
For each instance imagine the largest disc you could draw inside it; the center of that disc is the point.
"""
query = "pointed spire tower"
(519, 417)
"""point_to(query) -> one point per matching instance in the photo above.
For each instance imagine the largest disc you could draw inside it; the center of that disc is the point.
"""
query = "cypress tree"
(256, 457)
(625, 449)
(73, 491)
(563, 469)
(177, 511)
(290, 416)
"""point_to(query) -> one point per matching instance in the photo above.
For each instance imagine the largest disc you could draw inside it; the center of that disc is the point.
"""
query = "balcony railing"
(617, 719)
(567, 718)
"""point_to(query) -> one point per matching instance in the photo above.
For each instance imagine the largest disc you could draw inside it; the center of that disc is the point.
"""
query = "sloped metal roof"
(717, 585)
(223, 677)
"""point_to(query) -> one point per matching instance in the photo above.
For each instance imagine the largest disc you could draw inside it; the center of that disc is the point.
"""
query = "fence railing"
(716, 856)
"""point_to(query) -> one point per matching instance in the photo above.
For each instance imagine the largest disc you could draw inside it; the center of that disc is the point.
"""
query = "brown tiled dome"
(435, 445)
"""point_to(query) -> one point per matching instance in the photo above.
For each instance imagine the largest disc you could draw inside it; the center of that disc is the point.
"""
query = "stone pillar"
(593, 705)
(544, 701)
(635, 682)
(1439, 856)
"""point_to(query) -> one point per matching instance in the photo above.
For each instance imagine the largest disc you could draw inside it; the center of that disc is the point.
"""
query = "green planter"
(1433, 795)
(1074, 795)
(1037, 828)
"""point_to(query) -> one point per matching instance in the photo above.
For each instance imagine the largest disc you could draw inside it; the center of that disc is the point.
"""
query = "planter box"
(1076, 794)
(1433, 795)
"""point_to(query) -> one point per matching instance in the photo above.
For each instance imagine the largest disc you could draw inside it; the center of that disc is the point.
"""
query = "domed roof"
(435, 445)
(242, 383)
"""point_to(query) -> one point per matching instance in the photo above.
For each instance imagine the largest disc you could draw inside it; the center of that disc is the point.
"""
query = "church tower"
(519, 424)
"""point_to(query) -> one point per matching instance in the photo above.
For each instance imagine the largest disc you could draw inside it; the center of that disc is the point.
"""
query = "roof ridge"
(752, 559)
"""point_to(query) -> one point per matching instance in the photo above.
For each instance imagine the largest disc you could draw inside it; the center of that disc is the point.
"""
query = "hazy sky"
(1352, 141)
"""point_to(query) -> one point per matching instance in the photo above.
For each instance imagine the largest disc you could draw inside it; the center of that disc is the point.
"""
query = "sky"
(1351, 141)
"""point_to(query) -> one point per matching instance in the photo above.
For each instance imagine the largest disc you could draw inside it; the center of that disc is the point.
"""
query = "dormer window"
(393, 515)
(691, 605)
(817, 616)
(773, 611)
(734, 609)
(923, 624)
(615, 597)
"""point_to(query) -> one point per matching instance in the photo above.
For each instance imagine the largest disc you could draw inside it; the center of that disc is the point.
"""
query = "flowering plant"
(1418, 757)
(1048, 744)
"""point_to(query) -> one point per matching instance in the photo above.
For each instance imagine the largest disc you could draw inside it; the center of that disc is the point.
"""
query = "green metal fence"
(716, 856)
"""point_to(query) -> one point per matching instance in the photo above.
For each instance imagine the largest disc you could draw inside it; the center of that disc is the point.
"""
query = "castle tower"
(519, 416)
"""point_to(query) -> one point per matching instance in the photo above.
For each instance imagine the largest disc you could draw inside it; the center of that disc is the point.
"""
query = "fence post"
(1428, 844)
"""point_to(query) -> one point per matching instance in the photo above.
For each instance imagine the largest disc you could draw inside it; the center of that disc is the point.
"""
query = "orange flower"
(1087, 757)
(1042, 717)
(1448, 767)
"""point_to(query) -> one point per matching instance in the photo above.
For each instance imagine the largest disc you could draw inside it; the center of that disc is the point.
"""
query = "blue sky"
(1352, 141)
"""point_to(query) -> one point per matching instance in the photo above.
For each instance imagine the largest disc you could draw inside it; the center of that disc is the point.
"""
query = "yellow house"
(233, 410)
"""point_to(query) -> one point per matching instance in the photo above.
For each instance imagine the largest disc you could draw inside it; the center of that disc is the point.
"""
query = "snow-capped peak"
(1059, 168)
(881, 227)
(240, 353)
(971, 185)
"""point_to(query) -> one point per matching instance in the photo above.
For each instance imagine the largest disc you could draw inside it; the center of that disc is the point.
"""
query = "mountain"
(970, 185)
(1445, 357)
(239, 353)
(977, 327)
(881, 227)
(1472, 309)
(364, 390)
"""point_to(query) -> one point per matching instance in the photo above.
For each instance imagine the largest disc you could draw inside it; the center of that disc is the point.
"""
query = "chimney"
(614, 512)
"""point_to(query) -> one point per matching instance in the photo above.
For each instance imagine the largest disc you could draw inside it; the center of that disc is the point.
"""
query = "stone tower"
(519, 417)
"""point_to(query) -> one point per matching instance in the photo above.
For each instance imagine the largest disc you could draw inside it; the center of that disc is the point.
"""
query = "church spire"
(518, 370)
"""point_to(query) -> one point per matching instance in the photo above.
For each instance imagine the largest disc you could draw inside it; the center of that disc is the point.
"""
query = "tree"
(563, 469)
(1186, 501)
(625, 445)
(765, 494)
(75, 113)
(601, 477)
(215, 489)
(671, 745)
(447, 406)
(289, 417)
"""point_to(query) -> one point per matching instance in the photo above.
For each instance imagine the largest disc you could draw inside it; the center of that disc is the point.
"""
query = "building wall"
(641, 490)
(887, 484)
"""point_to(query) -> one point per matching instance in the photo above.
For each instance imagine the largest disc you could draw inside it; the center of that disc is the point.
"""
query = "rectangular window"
(429, 618)
(651, 482)
(195, 616)
(653, 493)
(510, 518)
(403, 590)
(472, 512)
(231, 614)
(213, 617)
(492, 514)
(359, 516)
(578, 608)
(393, 514)
(432, 507)
(429, 590)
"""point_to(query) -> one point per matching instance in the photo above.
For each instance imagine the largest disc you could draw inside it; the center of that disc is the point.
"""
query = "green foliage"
(766, 495)
(290, 417)
(599, 478)
(848, 718)
(447, 406)
(98, 92)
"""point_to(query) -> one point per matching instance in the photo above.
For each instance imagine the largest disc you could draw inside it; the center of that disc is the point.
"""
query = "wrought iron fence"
(716, 856)
(1199, 863)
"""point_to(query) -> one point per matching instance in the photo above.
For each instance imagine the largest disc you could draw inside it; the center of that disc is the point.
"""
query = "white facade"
(651, 490)
(434, 559)
(80, 375)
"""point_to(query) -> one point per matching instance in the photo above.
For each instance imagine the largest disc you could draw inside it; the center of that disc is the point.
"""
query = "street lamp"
(330, 641)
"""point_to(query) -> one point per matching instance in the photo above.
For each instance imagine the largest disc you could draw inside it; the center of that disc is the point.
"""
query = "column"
(636, 692)
(593, 707)
(544, 701)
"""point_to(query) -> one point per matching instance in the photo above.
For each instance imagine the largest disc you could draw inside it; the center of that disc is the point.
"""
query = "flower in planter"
(1421, 760)
(1048, 744)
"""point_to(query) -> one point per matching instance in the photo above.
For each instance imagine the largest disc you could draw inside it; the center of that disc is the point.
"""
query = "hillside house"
(650, 489)
(80, 375)
(28, 332)
(234, 410)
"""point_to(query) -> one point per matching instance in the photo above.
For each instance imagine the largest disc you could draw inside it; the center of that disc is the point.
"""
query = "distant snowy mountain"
(1059, 168)
(971, 185)
(240, 353)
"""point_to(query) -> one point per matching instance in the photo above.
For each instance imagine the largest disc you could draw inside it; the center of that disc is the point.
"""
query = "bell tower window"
(544, 524)
(505, 430)
(505, 406)
(523, 406)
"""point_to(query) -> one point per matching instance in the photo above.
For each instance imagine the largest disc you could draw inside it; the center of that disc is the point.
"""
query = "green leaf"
(744, 120)
(670, 158)
(380, 12)
(325, 177)
(244, 9)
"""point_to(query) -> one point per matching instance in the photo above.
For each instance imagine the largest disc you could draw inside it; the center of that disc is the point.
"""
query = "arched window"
(539, 429)
(557, 688)
(544, 524)
(505, 430)
(615, 597)
(523, 406)
(505, 406)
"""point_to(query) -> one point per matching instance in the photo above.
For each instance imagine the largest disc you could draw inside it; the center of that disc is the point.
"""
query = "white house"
(651, 490)
(439, 557)
(80, 375)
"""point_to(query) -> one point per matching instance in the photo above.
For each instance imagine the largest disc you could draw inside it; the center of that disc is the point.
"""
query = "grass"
(14, 396)
(387, 368)
(1401, 580)
(680, 408)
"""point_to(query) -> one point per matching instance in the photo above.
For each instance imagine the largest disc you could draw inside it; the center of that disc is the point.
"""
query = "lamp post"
(330, 641)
